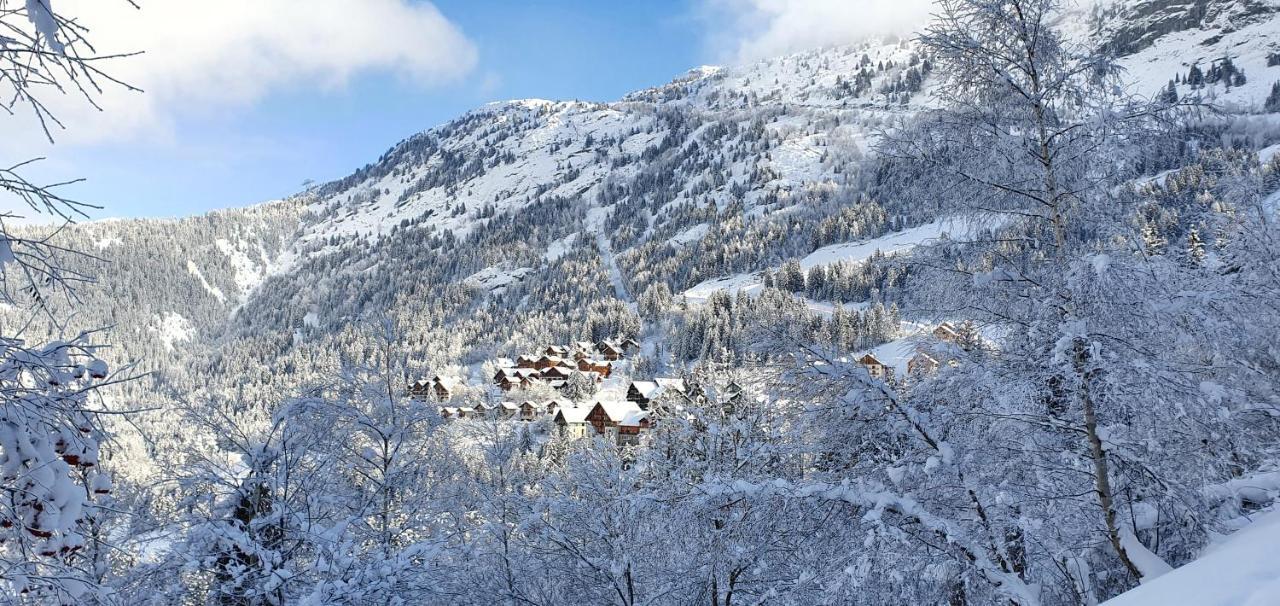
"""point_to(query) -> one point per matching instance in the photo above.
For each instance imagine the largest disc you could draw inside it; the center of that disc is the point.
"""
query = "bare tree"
(53, 492)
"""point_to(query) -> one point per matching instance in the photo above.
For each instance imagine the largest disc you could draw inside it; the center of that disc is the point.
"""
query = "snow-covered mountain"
(515, 219)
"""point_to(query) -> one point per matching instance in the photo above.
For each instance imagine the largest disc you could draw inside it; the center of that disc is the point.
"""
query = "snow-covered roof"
(646, 389)
(668, 383)
(573, 414)
(618, 410)
(633, 418)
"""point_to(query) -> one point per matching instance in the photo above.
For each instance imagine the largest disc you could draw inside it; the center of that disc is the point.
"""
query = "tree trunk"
(1102, 481)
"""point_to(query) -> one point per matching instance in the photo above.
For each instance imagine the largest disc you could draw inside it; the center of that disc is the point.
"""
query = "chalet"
(620, 421)
(419, 390)
(513, 381)
(946, 332)
(572, 421)
(558, 351)
(466, 411)
(922, 364)
(508, 409)
(631, 426)
(528, 410)
(603, 367)
(504, 363)
(527, 362)
(555, 373)
(549, 361)
(642, 392)
(630, 346)
(445, 387)
(552, 405)
(582, 349)
(609, 350)
(876, 368)
(448, 411)
(483, 408)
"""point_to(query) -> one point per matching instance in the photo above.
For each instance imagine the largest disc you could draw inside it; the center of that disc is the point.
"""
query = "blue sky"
(241, 155)
(246, 99)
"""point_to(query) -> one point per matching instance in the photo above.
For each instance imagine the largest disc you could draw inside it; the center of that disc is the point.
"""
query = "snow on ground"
(848, 252)
(105, 243)
(246, 272)
(891, 244)
(560, 248)
(732, 284)
(693, 234)
(172, 328)
(1153, 67)
(596, 220)
(496, 278)
(1267, 153)
(1242, 569)
(211, 289)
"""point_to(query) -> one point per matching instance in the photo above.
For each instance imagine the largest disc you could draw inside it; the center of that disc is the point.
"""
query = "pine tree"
(1272, 103)
(1195, 247)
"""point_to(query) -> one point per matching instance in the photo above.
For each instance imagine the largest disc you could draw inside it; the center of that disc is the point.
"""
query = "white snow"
(497, 278)
(211, 289)
(693, 234)
(849, 252)
(105, 243)
(1242, 569)
(246, 272)
(172, 328)
(560, 248)
(891, 244)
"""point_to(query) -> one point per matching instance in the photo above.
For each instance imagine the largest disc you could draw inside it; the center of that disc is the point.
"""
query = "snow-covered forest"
(984, 315)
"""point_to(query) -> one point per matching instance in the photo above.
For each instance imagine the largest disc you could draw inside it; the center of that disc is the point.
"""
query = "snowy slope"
(849, 252)
(1241, 570)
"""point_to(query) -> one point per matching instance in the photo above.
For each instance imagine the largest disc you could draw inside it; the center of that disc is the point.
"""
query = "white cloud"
(203, 55)
(746, 30)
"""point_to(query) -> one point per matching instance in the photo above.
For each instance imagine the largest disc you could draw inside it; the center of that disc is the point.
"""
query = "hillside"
(856, 324)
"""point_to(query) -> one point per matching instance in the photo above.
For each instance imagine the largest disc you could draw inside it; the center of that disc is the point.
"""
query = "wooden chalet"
(644, 392)
(603, 367)
(876, 368)
(629, 346)
(552, 405)
(609, 350)
(583, 349)
(549, 361)
(922, 364)
(558, 351)
(528, 410)
(555, 373)
(444, 388)
(419, 390)
(508, 409)
(526, 362)
(621, 421)
(946, 332)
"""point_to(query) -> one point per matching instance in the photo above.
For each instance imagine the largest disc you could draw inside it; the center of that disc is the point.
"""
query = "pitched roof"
(646, 389)
(572, 414)
(668, 383)
(870, 359)
(618, 410)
